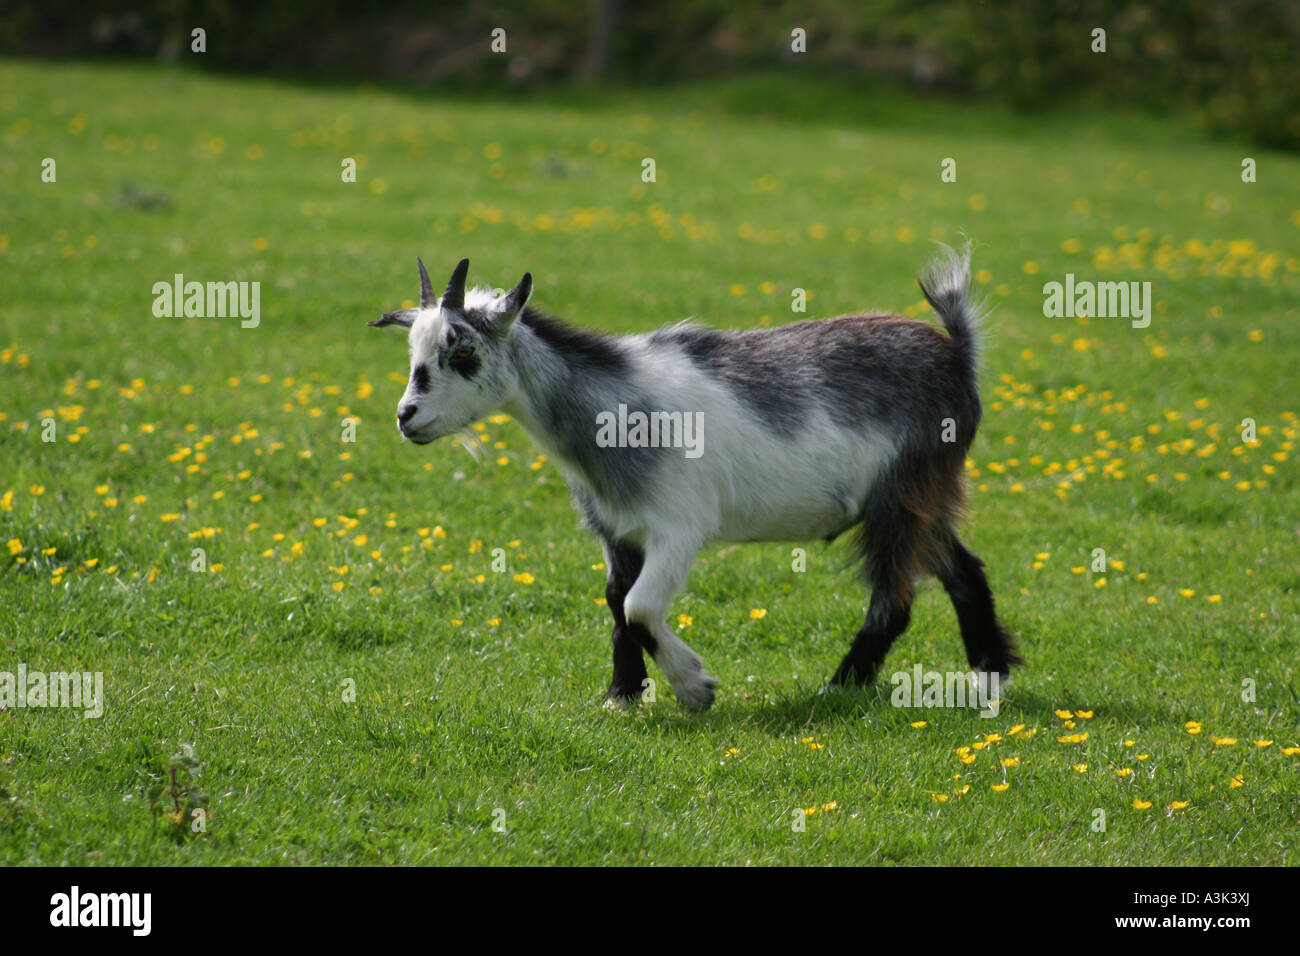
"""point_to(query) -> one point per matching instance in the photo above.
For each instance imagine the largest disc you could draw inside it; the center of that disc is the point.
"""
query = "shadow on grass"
(809, 710)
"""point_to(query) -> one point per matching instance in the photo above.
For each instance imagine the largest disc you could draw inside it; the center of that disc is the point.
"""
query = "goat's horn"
(427, 299)
(454, 297)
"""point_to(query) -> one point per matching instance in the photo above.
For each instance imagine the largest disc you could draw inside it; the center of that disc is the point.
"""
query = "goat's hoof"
(622, 701)
(698, 691)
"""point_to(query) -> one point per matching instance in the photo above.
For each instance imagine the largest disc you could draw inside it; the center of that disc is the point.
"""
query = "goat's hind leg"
(889, 539)
(888, 615)
(891, 572)
(988, 646)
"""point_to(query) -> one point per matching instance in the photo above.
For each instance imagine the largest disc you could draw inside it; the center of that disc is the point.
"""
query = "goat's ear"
(403, 317)
(514, 301)
(427, 299)
(454, 297)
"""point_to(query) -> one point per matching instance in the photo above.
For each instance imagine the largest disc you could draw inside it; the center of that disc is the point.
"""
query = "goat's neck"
(555, 402)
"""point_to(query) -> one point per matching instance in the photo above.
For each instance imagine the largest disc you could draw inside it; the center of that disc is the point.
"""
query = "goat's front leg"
(623, 563)
(668, 560)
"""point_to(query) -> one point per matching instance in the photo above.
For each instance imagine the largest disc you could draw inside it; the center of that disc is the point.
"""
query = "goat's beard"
(469, 440)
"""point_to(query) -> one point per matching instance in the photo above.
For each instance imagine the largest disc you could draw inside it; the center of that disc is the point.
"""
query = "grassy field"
(360, 685)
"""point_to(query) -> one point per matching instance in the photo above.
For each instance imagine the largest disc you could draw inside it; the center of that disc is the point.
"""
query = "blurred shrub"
(1233, 61)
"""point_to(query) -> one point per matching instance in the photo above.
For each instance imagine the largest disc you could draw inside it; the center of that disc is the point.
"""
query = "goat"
(814, 428)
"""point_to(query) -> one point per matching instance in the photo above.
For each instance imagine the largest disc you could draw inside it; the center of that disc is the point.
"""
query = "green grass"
(476, 691)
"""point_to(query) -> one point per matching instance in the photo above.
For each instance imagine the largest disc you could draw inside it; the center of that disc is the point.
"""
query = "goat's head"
(460, 360)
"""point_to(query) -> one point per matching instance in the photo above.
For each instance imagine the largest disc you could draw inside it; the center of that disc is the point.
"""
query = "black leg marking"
(988, 646)
(891, 540)
(629, 640)
(887, 617)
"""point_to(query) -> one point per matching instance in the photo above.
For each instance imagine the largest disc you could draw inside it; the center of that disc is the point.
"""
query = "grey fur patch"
(748, 363)
(581, 375)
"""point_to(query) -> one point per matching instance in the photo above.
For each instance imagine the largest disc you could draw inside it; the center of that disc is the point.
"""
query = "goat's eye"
(462, 351)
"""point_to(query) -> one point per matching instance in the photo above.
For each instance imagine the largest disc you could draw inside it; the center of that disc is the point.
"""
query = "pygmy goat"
(812, 429)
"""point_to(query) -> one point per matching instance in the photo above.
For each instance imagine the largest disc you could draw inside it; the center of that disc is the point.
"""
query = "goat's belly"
(794, 522)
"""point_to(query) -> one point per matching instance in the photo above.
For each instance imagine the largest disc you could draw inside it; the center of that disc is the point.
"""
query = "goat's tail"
(946, 285)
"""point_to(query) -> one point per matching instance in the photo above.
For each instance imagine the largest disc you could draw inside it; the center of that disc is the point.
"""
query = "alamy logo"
(103, 909)
(53, 689)
(211, 300)
(626, 429)
(1103, 300)
(973, 689)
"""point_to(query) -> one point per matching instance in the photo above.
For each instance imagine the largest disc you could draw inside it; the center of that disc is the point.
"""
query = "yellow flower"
(337, 585)
(999, 787)
(14, 545)
(494, 622)
(939, 797)
(1263, 743)
(1141, 804)
(685, 620)
(1011, 761)
(1192, 727)
(1224, 741)
(758, 613)
(1291, 751)
(1080, 767)
(1236, 782)
(732, 751)
(524, 578)
(1179, 805)
(1064, 714)
(1124, 772)
(1084, 714)
(918, 724)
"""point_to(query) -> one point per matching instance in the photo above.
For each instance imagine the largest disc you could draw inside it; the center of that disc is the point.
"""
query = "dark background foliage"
(1232, 62)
